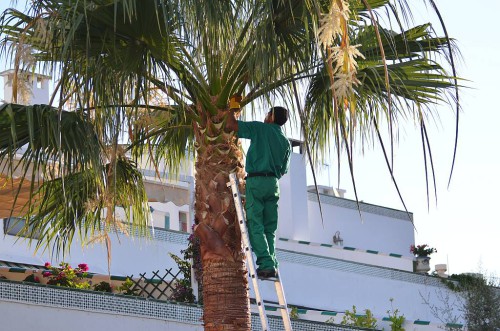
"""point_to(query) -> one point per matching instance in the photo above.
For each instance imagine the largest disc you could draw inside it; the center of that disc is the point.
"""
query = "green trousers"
(262, 195)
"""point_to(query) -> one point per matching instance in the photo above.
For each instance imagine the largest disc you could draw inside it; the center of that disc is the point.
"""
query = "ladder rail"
(233, 183)
(282, 301)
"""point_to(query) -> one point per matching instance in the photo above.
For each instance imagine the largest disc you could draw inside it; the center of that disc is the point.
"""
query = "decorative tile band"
(167, 175)
(98, 301)
(363, 206)
(172, 236)
(133, 306)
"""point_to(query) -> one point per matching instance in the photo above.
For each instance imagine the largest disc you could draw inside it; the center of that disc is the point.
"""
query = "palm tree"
(163, 71)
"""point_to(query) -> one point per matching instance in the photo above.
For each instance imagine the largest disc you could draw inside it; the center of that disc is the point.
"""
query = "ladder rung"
(270, 279)
(275, 306)
(268, 305)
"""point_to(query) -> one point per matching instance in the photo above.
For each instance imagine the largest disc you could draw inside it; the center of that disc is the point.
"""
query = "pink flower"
(47, 264)
(37, 279)
(47, 274)
(84, 267)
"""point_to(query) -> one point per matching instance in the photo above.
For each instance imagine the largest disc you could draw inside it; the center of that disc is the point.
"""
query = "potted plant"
(422, 253)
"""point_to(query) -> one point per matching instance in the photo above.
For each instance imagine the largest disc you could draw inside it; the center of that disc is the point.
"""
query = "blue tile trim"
(370, 251)
(422, 322)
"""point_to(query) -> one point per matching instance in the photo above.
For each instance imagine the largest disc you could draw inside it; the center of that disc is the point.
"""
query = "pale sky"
(464, 225)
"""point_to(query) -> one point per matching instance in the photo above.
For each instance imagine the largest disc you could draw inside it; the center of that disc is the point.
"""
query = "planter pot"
(422, 265)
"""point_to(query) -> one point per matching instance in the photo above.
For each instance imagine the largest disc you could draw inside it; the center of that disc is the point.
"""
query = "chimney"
(441, 270)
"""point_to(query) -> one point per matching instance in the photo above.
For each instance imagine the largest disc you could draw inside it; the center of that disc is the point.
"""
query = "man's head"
(277, 115)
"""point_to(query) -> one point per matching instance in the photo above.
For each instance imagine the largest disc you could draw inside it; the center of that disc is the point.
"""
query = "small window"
(39, 82)
(167, 221)
(183, 225)
(13, 226)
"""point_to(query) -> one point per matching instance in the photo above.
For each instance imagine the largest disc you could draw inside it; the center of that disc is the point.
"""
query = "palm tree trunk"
(225, 283)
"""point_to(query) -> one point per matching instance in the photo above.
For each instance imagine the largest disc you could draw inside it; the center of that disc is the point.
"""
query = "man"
(268, 159)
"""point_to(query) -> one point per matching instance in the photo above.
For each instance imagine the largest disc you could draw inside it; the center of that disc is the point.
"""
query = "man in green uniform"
(268, 159)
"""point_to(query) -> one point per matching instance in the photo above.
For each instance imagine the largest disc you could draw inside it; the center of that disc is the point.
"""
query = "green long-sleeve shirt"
(269, 150)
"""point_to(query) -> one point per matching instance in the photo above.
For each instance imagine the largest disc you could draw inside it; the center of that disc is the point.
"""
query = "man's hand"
(234, 101)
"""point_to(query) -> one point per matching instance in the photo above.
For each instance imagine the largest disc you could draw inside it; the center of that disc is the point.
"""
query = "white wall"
(300, 219)
(63, 319)
(293, 201)
(373, 232)
(129, 255)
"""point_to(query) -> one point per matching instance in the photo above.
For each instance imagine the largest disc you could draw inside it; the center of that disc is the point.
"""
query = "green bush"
(396, 320)
(103, 287)
(352, 319)
(127, 288)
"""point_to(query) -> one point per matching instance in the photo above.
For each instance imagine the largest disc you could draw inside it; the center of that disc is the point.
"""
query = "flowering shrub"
(65, 275)
(183, 292)
(422, 250)
(193, 253)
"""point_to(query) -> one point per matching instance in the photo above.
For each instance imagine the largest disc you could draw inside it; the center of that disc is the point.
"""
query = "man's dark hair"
(280, 115)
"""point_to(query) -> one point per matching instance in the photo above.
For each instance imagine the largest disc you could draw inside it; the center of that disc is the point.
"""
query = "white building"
(328, 265)
(32, 88)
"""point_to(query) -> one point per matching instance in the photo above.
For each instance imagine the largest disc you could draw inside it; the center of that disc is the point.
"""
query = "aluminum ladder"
(233, 184)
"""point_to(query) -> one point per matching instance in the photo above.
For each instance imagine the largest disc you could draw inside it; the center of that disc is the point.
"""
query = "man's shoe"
(267, 273)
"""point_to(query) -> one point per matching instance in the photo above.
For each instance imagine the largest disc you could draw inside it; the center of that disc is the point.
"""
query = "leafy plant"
(397, 320)
(103, 287)
(353, 319)
(294, 312)
(462, 282)
(422, 250)
(64, 275)
(481, 301)
(127, 287)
